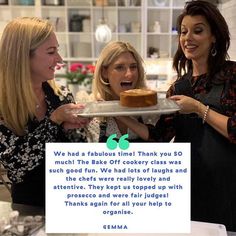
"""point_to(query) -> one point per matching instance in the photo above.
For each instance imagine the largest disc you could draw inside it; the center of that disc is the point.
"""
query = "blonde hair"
(108, 55)
(20, 38)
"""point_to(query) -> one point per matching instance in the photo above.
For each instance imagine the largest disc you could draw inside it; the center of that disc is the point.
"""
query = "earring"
(103, 82)
(213, 50)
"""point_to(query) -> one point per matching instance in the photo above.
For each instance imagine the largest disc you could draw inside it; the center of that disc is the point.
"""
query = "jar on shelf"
(76, 23)
(156, 27)
(135, 26)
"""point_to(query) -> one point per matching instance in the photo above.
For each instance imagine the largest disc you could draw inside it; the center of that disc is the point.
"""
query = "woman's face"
(44, 60)
(122, 74)
(196, 38)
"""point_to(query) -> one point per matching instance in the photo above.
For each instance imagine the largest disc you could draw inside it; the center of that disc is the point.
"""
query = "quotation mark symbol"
(123, 142)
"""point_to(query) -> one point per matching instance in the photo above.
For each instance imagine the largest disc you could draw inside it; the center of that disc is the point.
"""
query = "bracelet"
(205, 114)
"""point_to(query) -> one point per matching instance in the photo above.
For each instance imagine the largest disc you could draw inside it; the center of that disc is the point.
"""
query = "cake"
(138, 98)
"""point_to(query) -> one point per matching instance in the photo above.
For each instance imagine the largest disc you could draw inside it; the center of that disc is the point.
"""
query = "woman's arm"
(21, 154)
(139, 128)
(216, 120)
(163, 131)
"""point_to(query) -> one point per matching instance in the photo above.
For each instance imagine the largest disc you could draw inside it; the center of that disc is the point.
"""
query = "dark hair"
(219, 29)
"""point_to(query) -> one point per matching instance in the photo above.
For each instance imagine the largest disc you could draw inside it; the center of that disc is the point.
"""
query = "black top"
(24, 156)
(213, 157)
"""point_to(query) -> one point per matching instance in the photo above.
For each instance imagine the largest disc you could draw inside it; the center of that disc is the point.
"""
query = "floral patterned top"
(20, 155)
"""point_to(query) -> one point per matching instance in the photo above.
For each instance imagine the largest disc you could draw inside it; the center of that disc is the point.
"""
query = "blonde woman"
(32, 108)
(119, 68)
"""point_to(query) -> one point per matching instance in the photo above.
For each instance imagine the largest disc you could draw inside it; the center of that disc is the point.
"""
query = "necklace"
(40, 103)
(40, 95)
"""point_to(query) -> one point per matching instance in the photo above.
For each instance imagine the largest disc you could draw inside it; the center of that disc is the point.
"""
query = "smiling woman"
(118, 69)
(196, 39)
(32, 106)
(205, 91)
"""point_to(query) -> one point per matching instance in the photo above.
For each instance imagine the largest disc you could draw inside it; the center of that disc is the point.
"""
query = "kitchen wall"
(228, 10)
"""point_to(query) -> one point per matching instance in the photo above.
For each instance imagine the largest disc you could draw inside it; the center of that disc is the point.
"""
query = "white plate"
(113, 108)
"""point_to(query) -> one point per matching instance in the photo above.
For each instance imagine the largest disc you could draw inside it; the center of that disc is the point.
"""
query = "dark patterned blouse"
(165, 128)
(213, 157)
(22, 154)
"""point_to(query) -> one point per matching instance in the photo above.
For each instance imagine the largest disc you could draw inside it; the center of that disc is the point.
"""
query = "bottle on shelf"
(156, 27)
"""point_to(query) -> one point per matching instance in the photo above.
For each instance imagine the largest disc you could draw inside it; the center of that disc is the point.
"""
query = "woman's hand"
(190, 105)
(140, 129)
(187, 104)
(66, 114)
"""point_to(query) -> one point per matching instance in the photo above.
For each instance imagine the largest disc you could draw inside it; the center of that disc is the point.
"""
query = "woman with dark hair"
(219, 30)
(206, 93)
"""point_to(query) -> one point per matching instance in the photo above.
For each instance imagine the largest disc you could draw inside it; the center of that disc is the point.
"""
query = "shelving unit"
(74, 19)
(75, 22)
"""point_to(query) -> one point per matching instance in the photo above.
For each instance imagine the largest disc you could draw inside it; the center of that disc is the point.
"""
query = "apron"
(213, 165)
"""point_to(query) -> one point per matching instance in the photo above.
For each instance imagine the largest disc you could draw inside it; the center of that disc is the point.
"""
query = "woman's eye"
(120, 68)
(133, 67)
(183, 32)
(198, 31)
(54, 51)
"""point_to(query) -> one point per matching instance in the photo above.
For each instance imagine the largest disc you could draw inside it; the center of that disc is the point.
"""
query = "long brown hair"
(219, 29)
